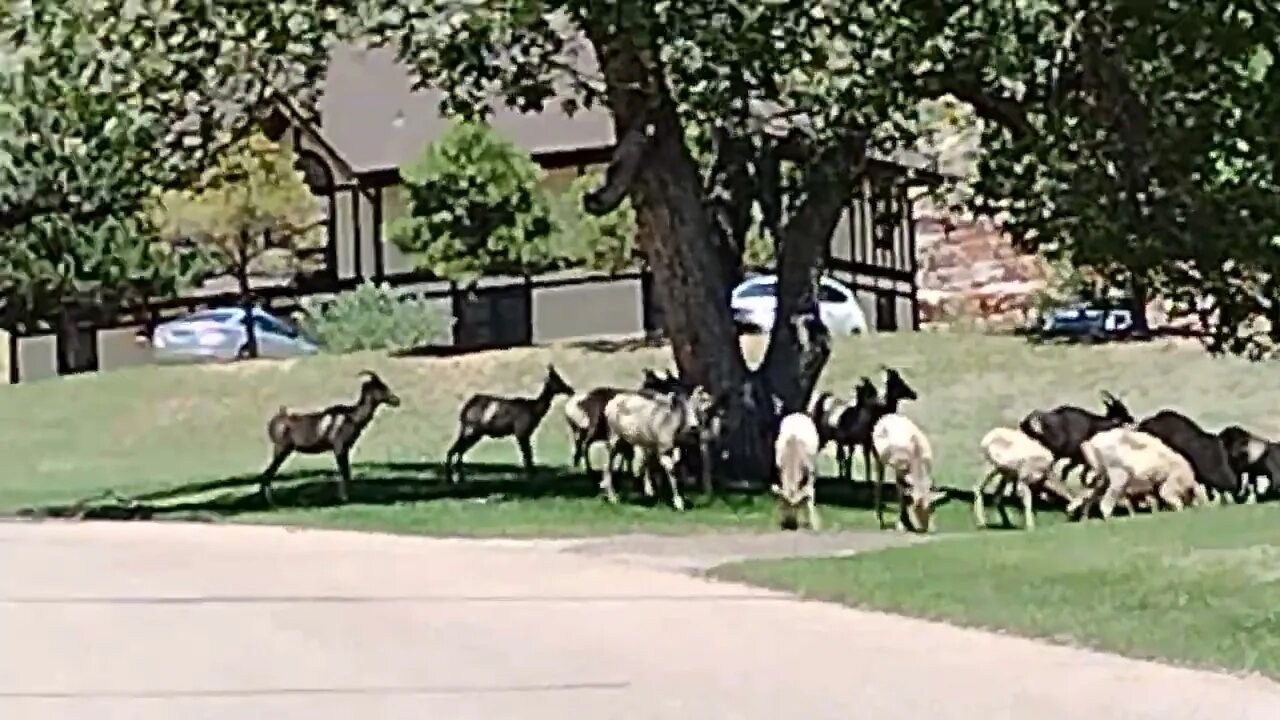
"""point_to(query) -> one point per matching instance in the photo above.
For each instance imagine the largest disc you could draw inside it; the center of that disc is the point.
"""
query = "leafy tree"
(252, 214)
(475, 207)
(607, 242)
(718, 105)
(102, 105)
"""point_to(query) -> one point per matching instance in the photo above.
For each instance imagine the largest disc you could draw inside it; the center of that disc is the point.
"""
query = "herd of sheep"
(671, 429)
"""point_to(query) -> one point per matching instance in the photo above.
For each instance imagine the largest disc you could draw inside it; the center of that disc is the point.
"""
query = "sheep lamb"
(493, 416)
(901, 445)
(795, 453)
(334, 429)
(657, 427)
(1020, 462)
(1134, 465)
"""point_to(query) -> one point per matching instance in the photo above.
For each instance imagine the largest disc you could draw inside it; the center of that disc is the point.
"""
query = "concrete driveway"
(140, 621)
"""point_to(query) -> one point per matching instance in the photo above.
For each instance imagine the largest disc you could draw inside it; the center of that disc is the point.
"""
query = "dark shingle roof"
(372, 116)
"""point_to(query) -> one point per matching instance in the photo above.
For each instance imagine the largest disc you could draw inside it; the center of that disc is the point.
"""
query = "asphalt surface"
(143, 620)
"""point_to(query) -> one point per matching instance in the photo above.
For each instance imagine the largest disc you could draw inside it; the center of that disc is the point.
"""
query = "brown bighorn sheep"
(794, 454)
(1018, 460)
(334, 429)
(493, 416)
(584, 412)
(901, 445)
(1132, 464)
(655, 426)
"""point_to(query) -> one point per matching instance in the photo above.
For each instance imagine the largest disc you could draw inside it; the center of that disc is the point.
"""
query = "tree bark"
(246, 296)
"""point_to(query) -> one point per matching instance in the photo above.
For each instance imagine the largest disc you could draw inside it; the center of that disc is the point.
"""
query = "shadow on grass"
(617, 345)
(398, 483)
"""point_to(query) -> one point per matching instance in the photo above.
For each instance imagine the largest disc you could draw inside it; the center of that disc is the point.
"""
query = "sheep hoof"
(678, 503)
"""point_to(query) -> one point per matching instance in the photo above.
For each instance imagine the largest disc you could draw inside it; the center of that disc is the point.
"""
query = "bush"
(606, 243)
(475, 207)
(372, 317)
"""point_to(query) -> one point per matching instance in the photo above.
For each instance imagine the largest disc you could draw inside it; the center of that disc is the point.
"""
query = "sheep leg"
(876, 498)
(998, 498)
(453, 458)
(1028, 509)
(580, 449)
(344, 475)
(811, 507)
(979, 504)
(904, 519)
(646, 468)
(526, 454)
(1172, 496)
(667, 462)
(842, 470)
(704, 450)
(866, 461)
(278, 457)
(606, 475)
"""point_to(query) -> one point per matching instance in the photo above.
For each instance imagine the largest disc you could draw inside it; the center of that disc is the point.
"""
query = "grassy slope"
(1202, 587)
(148, 429)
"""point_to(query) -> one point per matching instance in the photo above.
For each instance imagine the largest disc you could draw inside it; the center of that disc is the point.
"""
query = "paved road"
(145, 621)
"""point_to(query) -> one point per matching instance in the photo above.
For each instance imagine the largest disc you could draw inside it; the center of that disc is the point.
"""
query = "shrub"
(475, 207)
(372, 317)
(606, 243)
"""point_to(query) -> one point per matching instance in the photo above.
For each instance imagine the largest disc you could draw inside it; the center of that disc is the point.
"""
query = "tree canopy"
(475, 207)
(105, 104)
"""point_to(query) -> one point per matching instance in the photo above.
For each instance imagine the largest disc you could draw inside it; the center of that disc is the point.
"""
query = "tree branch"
(623, 168)
(989, 105)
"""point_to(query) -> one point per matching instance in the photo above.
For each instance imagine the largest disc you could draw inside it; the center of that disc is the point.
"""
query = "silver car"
(219, 334)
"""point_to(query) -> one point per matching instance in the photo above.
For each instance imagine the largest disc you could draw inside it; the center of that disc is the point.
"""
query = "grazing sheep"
(1016, 460)
(1065, 427)
(492, 416)
(334, 429)
(1202, 449)
(856, 422)
(656, 426)
(1252, 457)
(1131, 464)
(794, 454)
(900, 444)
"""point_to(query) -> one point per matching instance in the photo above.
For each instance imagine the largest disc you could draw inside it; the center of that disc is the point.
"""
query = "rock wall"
(970, 272)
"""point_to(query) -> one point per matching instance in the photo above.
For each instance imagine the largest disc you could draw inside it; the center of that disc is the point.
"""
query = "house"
(371, 122)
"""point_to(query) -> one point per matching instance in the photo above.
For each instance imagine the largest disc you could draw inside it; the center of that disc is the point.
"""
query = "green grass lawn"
(1201, 587)
(164, 430)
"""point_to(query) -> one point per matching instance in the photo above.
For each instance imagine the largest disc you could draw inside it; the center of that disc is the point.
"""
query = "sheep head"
(376, 390)
(1115, 409)
(555, 384)
(895, 388)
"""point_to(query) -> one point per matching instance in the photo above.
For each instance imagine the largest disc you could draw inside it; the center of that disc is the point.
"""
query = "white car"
(754, 303)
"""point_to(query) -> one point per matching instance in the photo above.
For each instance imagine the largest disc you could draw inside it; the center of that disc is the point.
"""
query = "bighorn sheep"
(1065, 427)
(584, 412)
(1018, 460)
(1252, 457)
(334, 429)
(794, 454)
(1201, 448)
(853, 429)
(656, 426)
(901, 445)
(1131, 464)
(492, 416)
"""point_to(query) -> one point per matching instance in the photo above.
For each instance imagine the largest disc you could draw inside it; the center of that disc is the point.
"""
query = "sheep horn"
(367, 374)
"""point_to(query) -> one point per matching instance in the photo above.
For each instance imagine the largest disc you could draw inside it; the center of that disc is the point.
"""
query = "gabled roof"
(373, 117)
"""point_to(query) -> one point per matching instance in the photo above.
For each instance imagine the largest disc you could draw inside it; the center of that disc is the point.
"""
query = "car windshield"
(219, 316)
(760, 289)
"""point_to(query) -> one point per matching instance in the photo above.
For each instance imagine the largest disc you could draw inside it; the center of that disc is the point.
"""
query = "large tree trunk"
(693, 269)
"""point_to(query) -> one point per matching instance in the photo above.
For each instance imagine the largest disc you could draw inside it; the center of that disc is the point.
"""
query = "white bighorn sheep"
(1016, 459)
(901, 445)
(1135, 465)
(655, 426)
(794, 453)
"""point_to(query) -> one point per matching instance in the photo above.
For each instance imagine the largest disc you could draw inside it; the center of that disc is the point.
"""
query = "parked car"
(754, 303)
(219, 334)
(1097, 320)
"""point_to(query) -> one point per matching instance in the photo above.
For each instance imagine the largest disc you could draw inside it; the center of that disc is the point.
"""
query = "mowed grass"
(194, 437)
(1201, 587)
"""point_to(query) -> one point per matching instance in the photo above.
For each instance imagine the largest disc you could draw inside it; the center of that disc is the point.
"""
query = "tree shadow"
(617, 345)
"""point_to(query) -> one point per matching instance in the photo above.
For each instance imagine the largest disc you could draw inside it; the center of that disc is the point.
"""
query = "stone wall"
(970, 272)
